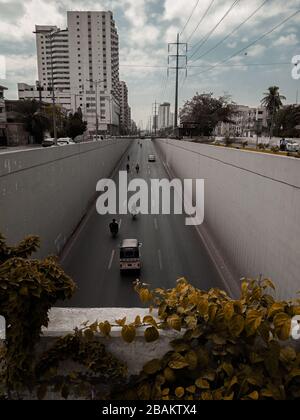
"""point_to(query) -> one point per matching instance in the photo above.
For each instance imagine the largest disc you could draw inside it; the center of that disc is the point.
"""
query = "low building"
(41, 94)
(246, 122)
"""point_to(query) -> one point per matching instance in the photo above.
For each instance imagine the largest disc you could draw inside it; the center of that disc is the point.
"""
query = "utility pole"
(178, 57)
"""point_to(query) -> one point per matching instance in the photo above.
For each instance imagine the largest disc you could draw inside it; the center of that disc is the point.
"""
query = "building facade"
(164, 116)
(246, 122)
(125, 116)
(84, 59)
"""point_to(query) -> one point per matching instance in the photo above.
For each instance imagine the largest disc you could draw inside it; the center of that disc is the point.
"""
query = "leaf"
(212, 312)
(192, 359)
(165, 392)
(152, 367)
(138, 321)
(178, 362)
(275, 308)
(203, 307)
(267, 283)
(151, 334)
(121, 322)
(174, 322)
(253, 321)
(191, 322)
(89, 335)
(191, 389)
(228, 368)
(169, 375)
(283, 326)
(202, 383)
(254, 396)
(145, 295)
(179, 392)
(228, 311)
(24, 291)
(287, 355)
(105, 328)
(149, 320)
(128, 333)
(237, 325)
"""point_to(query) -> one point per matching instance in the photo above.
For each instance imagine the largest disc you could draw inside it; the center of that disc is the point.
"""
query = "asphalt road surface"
(170, 249)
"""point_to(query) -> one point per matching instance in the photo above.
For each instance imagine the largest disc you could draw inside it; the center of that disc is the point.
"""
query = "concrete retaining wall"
(46, 192)
(252, 207)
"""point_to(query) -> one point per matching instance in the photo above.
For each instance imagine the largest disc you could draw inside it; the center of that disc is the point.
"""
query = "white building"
(85, 59)
(246, 122)
(2, 104)
(35, 92)
(125, 116)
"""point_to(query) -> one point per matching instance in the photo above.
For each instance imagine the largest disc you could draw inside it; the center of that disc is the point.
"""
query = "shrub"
(275, 149)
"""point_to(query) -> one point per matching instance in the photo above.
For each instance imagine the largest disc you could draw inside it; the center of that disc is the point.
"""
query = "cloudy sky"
(216, 31)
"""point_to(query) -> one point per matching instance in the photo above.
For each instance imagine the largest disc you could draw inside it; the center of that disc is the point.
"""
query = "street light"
(49, 34)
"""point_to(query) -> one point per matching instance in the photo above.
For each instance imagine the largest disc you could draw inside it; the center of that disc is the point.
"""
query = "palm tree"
(273, 102)
(32, 116)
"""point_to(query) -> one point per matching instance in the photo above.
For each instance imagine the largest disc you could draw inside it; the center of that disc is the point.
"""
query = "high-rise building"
(164, 116)
(124, 116)
(85, 63)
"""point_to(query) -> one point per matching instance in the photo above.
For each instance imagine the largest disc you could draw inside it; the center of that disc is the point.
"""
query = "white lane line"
(155, 223)
(111, 259)
(160, 259)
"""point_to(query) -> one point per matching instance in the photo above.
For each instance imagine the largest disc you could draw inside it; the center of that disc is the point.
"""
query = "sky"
(227, 53)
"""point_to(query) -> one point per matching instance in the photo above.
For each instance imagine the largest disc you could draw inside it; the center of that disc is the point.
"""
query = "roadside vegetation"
(226, 349)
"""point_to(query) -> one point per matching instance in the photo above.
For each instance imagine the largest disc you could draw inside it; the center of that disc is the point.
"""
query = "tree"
(286, 121)
(206, 112)
(75, 126)
(36, 121)
(273, 102)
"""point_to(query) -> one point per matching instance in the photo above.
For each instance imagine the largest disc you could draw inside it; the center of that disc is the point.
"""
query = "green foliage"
(28, 289)
(74, 125)
(205, 111)
(275, 149)
(228, 350)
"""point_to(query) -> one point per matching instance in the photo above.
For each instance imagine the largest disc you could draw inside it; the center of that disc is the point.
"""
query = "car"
(98, 138)
(151, 158)
(65, 141)
(130, 256)
(292, 146)
(48, 142)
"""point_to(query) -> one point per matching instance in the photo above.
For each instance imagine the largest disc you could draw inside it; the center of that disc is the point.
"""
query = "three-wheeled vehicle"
(130, 256)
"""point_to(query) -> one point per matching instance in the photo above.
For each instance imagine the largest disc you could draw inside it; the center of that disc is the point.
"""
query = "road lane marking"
(111, 259)
(160, 259)
(155, 223)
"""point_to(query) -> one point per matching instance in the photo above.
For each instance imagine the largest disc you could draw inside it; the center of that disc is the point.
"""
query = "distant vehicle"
(65, 141)
(130, 257)
(292, 146)
(48, 142)
(142, 137)
(151, 158)
(98, 138)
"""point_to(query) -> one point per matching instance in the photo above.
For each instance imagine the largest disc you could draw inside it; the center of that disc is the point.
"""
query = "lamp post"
(49, 34)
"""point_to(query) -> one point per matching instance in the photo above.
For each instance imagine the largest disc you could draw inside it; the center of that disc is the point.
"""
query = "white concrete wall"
(252, 207)
(46, 191)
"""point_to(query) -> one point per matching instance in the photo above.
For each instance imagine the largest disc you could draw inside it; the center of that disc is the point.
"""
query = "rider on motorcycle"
(114, 227)
(137, 168)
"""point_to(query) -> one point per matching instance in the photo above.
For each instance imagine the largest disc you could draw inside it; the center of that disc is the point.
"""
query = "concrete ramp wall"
(252, 207)
(47, 191)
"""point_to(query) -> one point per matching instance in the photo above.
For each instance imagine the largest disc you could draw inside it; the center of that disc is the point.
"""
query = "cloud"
(256, 50)
(288, 40)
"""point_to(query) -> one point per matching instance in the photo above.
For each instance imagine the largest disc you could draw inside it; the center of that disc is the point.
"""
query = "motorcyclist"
(128, 167)
(114, 227)
(137, 168)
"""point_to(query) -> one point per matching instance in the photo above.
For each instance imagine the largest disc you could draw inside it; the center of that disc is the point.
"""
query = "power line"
(252, 43)
(209, 34)
(200, 21)
(201, 66)
(234, 30)
(190, 17)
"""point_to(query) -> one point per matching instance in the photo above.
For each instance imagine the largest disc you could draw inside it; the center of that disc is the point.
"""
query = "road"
(170, 249)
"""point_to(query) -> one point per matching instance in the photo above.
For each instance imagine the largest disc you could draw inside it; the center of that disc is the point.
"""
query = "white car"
(292, 146)
(64, 141)
(48, 142)
(151, 158)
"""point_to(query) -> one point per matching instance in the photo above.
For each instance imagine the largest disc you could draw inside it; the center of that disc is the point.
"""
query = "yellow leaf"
(254, 396)
(174, 322)
(145, 295)
(228, 311)
(275, 308)
(165, 392)
(169, 375)
(191, 322)
(202, 383)
(191, 389)
(138, 321)
(151, 334)
(192, 359)
(105, 328)
(237, 325)
(121, 322)
(203, 307)
(128, 333)
(149, 320)
(179, 392)
(212, 312)
(152, 367)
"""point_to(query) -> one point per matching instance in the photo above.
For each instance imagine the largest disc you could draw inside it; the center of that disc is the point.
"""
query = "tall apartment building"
(85, 60)
(164, 116)
(125, 109)
(2, 104)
